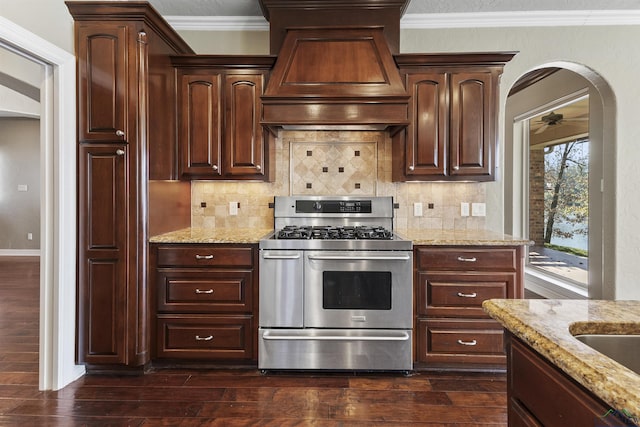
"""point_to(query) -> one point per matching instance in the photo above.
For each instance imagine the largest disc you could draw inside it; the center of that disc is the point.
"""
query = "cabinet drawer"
(205, 337)
(467, 341)
(204, 256)
(461, 294)
(465, 259)
(204, 291)
(547, 393)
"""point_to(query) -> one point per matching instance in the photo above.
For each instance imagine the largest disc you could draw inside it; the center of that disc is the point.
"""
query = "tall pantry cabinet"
(126, 136)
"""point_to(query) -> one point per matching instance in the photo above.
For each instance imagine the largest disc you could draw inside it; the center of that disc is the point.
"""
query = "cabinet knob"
(456, 168)
(214, 167)
(120, 152)
(258, 167)
(119, 133)
(411, 168)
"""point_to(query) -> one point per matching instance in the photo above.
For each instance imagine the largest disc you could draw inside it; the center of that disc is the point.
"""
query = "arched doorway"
(567, 83)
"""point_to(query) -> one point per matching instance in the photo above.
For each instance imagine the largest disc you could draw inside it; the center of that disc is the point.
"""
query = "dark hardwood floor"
(222, 397)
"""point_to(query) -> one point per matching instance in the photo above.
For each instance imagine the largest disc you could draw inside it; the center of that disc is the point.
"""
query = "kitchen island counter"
(213, 235)
(549, 326)
(438, 237)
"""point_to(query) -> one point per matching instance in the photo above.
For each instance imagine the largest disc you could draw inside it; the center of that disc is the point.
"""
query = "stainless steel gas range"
(335, 287)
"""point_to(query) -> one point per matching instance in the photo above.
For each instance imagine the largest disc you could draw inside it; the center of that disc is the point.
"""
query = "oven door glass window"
(356, 290)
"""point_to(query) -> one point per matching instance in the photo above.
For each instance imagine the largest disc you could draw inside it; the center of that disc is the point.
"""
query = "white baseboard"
(19, 252)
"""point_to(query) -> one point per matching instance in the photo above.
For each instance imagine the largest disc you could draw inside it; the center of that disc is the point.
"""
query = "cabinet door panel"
(552, 397)
(471, 124)
(102, 82)
(200, 125)
(244, 138)
(427, 131)
(102, 205)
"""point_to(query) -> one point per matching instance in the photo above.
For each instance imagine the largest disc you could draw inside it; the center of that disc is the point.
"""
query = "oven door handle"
(401, 336)
(294, 256)
(360, 258)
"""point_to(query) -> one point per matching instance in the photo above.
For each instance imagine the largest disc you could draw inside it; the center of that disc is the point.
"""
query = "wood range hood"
(335, 67)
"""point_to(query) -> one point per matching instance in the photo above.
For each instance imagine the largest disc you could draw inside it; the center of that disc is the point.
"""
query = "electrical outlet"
(417, 209)
(29, 236)
(464, 209)
(23, 187)
(478, 209)
(233, 208)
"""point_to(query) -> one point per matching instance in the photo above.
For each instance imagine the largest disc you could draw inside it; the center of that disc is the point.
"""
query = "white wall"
(609, 51)
(19, 165)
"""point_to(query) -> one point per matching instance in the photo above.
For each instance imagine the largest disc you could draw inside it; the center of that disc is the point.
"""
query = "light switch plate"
(233, 208)
(478, 209)
(464, 209)
(417, 209)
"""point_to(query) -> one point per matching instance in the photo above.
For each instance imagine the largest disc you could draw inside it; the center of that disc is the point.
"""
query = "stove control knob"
(317, 206)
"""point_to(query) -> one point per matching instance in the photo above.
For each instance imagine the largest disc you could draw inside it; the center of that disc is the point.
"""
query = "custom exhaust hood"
(335, 67)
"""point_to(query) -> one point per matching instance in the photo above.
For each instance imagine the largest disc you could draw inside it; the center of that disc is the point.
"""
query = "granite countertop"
(421, 236)
(212, 235)
(548, 327)
(418, 236)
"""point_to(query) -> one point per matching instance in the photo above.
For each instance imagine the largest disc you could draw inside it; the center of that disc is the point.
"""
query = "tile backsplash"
(334, 163)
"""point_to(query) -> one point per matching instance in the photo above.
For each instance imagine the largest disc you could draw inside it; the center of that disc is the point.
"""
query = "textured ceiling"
(252, 8)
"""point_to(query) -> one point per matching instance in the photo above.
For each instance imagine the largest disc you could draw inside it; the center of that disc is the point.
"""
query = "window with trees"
(559, 192)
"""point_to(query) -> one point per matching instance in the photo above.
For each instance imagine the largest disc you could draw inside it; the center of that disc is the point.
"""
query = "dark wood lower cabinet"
(205, 303)
(540, 394)
(452, 331)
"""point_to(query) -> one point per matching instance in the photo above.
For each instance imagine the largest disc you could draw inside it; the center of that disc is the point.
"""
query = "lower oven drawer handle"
(360, 258)
(199, 338)
(401, 337)
(296, 256)
(472, 342)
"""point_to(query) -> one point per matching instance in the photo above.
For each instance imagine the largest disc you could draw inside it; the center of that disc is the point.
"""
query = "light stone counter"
(548, 327)
(211, 235)
(460, 237)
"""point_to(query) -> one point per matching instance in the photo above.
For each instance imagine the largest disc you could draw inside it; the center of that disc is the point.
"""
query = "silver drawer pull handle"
(463, 259)
(200, 291)
(204, 256)
(199, 338)
(471, 295)
(472, 342)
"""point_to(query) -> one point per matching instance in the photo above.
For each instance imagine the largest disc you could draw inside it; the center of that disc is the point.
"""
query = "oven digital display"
(333, 206)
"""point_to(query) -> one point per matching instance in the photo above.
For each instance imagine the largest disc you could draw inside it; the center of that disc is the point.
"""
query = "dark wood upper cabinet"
(103, 70)
(244, 136)
(219, 112)
(200, 119)
(453, 111)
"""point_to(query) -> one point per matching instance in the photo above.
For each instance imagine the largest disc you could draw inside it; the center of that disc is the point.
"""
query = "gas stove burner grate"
(360, 232)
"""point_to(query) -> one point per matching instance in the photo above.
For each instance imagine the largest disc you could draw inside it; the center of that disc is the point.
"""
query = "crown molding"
(218, 23)
(546, 18)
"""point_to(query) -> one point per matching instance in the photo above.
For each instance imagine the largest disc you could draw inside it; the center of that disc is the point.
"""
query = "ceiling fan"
(553, 119)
